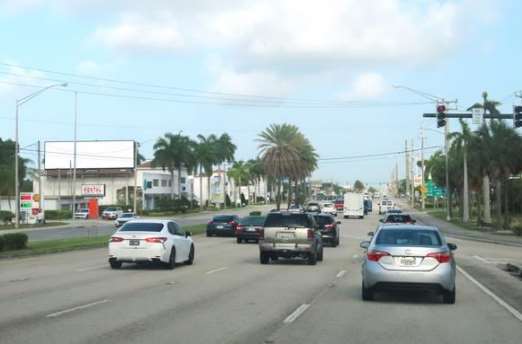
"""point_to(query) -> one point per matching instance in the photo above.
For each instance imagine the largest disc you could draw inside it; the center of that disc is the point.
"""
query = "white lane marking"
(77, 308)
(488, 292)
(296, 314)
(483, 260)
(341, 273)
(216, 270)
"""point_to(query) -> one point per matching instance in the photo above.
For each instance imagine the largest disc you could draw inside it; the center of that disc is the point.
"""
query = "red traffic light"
(441, 108)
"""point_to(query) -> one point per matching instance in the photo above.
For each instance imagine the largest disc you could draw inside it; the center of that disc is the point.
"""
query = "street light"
(20, 102)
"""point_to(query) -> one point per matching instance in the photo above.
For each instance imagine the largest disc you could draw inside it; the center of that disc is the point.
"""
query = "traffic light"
(517, 116)
(441, 115)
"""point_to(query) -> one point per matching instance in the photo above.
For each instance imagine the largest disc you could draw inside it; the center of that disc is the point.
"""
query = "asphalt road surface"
(228, 297)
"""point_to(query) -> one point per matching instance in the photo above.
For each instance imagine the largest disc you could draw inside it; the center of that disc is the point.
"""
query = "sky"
(144, 68)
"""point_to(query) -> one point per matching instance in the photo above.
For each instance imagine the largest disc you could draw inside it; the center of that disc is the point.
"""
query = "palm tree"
(239, 172)
(205, 152)
(461, 141)
(173, 152)
(225, 151)
(256, 174)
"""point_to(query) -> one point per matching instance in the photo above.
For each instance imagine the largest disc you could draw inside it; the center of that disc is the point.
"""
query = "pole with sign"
(477, 115)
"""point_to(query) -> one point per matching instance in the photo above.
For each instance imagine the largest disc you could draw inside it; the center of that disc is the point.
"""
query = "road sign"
(477, 115)
(434, 190)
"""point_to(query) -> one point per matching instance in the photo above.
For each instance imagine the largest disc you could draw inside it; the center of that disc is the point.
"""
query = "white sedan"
(161, 241)
(329, 208)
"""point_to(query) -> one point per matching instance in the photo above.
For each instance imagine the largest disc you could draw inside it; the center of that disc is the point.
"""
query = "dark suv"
(329, 228)
(223, 225)
(249, 228)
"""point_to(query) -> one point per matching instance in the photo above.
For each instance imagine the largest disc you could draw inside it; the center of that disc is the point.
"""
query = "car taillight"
(310, 234)
(261, 232)
(232, 223)
(116, 239)
(210, 222)
(156, 240)
(240, 228)
(442, 257)
(329, 226)
(374, 256)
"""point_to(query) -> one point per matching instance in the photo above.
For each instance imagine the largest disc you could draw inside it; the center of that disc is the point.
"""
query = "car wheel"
(449, 297)
(264, 258)
(320, 255)
(172, 259)
(312, 258)
(208, 234)
(367, 293)
(192, 252)
(239, 240)
(115, 264)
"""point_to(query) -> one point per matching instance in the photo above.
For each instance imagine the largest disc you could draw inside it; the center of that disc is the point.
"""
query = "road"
(105, 227)
(228, 297)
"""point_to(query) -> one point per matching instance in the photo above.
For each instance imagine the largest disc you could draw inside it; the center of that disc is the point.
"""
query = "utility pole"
(407, 167)
(74, 154)
(40, 193)
(423, 203)
(412, 173)
(446, 151)
(135, 200)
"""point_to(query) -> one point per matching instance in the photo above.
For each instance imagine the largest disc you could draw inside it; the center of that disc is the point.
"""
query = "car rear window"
(127, 215)
(223, 218)
(252, 221)
(329, 205)
(142, 227)
(408, 237)
(390, 203)
(398, 218)
(323, 220)
(288, 220)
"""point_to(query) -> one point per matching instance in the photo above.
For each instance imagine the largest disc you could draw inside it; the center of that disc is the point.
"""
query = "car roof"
(152, 221)
(410, 227)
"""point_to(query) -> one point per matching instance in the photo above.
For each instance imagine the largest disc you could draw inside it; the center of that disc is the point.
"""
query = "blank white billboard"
(89, 154)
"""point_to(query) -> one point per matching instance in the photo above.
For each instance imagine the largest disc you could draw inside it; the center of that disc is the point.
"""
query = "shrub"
(1, 242)
(517, 230)
(58, 214)
(6, 216)
(15, 241)
(255, 213)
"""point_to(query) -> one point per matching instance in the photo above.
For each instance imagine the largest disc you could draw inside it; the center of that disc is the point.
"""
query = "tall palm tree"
(225, 151)
(173, 152)
(239, 172)
(205, 151)
(461, 141)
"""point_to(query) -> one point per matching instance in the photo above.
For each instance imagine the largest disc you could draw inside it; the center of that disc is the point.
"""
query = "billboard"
(89, 154)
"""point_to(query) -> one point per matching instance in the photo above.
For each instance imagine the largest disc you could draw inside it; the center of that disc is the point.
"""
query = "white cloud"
(366, 86)
(142, 34)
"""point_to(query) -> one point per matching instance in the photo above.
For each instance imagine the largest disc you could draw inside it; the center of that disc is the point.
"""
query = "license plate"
(219, 227)
(408, 261)
(285, 236)
(134, 243)
(251, 229)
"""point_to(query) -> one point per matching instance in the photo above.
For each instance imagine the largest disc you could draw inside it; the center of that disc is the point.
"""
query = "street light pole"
(20, 102)
(74, 155)
(446, 143)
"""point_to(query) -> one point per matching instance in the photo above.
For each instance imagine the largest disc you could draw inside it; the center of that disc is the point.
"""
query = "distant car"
(329, 228)
(160, 241)
(339, 204)
(249, 228)
(82, 214)
(368, 206)
(408, 257)
(329, 208)
(124, 218)
(393, 211)
(112, 213)
(398, 218)
(385, 205)
(295, 209)
(287, 235)
(313, 207)
(223, 225)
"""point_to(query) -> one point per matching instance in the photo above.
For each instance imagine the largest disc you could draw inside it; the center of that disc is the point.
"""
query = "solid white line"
(216, 270)
(483, 260)
(295, 314)
(486, 291)
(77, 308)
(341, 273)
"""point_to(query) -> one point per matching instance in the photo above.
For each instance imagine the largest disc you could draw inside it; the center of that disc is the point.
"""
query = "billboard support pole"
(135, 200)
(74, 154)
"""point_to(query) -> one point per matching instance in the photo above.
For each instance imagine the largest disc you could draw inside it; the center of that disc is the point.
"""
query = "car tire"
(448, 296)
(192, 253)
(115, 264)
(264, 258)
(208, 234)
(312, 258)
(239, 240)
(367, 293)
(171, 265)
(320, 255)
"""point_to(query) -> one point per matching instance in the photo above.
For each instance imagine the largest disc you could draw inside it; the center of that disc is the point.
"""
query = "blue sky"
(310, 53)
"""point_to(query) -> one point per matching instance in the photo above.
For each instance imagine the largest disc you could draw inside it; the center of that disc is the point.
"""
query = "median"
(41, 247)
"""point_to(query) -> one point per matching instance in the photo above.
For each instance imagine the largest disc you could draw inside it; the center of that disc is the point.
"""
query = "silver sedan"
(408, 257)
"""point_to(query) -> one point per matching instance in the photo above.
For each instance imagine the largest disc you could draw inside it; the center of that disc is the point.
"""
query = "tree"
(358, 186)
(173, 152)
(7, 151)
(205, 157)
(372, 190)
(240, 174)
(225, 151)
(461, 142)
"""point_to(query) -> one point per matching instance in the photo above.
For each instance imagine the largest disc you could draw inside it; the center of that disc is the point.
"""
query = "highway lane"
(101, 227)
(228, 297)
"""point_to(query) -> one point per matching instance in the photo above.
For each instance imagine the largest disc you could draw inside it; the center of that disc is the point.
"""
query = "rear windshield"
(110, 209)
(223, 218)
(323, 220)
(127, 215)
(408, 237)
(389, 202)
(252, 221)
(288, 220)
(398, 218)
(142, 227)
(328, 205)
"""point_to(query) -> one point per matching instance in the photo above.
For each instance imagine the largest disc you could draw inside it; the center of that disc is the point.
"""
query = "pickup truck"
(290, 235)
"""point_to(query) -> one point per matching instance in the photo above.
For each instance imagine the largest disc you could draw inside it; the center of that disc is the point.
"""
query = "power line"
(377, 154)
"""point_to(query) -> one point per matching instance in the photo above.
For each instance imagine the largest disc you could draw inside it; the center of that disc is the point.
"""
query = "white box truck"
(353, 205)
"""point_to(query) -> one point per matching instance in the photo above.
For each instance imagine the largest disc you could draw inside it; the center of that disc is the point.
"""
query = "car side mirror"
(452, 247)
(338, 222)
(365, 244)
(370, 233)
(187, 234)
